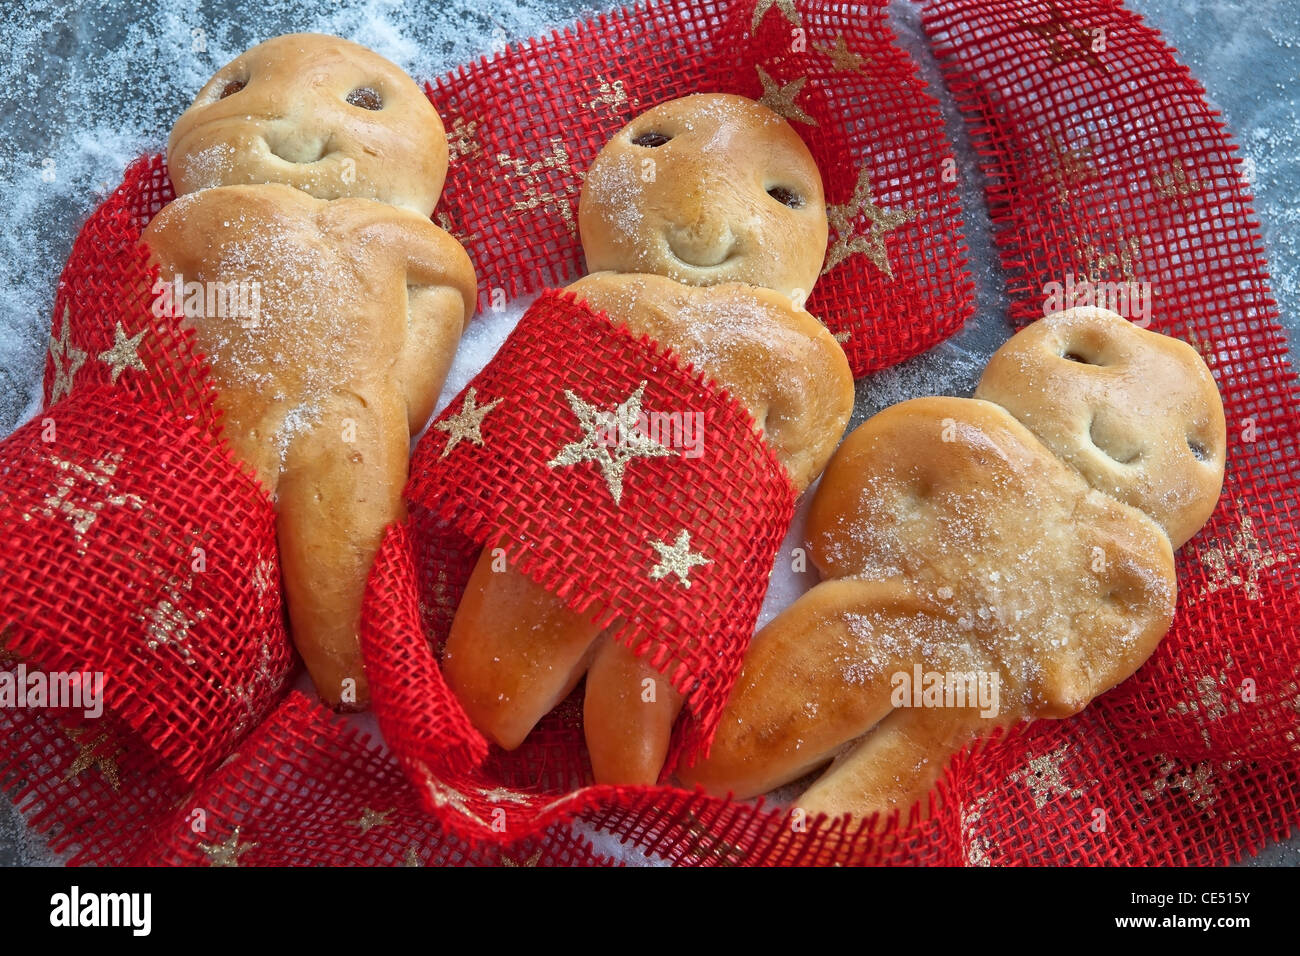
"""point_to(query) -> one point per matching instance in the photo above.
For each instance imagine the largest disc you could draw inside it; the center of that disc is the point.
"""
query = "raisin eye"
(366, 98)
(231, 88)
(786, 197)
(650, 140)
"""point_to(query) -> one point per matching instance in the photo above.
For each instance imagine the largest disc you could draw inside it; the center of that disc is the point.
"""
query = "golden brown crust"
(1136, 412)
(953, 540)
(697, 208)
(638, 705)
(291, 123)
(514, 651)
(361, 305)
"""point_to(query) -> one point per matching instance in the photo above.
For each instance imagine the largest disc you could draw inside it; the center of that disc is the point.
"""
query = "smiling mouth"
(298, 157)
(693, 264)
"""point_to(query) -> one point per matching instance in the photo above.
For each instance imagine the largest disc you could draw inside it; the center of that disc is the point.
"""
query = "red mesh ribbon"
(134, 546)
(1105, 164)
(596, 535)
(524, 126)
(307, 789)
(422, 721)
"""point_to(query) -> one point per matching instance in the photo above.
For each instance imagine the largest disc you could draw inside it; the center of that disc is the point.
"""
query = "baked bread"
(316, 112)
(1136, 412)
(960, 554)
(687, 246)
(360, 302)
(361, 307)
(706, 189)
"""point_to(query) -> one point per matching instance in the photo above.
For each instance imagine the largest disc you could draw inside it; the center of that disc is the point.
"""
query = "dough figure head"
(315, 112)
(1136, 412)
(706, 189)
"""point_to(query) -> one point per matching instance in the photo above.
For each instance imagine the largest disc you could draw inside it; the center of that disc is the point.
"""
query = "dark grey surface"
(91, 89)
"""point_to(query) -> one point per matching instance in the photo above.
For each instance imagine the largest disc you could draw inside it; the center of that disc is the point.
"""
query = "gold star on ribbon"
(843, 59)
(167, 623)
(609, 94)
(978, 847)
(100, 752)
(1066, 41)
(446, 225)
(785, 6)
(445, 795)
(849, 242)
(780, 98)
(1210, 698)
(1101, 263)
(1197, 782)
(1247, 553)
(66, 357)
(537, 194)
(1172, 182)
(599, 426)
(677, 558)
(703, 840)
(266, 574)
(1205, 348)
(1044, 778)
(123, 354)
(1070, 167)
(502, 795)
(370, 819)
(81, 509)
(466, 423)
(460, 139)
(228, 852)
(533, 860)
(248, 693)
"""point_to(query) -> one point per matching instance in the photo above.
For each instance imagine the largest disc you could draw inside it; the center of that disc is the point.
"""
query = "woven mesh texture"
(307, 789)
(135, 547)
(420, 718)
(524, 126)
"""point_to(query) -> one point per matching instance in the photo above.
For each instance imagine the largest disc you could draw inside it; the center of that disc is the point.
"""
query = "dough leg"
(893, 767)
(815, 678)
(627, 733)
(340, 487)
(514, 652)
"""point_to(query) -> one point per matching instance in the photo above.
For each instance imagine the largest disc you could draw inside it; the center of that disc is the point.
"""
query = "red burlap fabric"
(1193, 760)
(1105, 164)
(134, 546)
